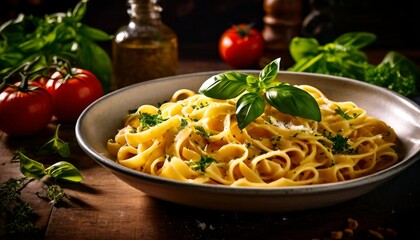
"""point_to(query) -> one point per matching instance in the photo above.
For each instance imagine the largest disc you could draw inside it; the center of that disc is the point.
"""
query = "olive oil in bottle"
(146, 48)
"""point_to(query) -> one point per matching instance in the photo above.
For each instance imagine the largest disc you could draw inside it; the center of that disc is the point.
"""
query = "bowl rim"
(373, 178)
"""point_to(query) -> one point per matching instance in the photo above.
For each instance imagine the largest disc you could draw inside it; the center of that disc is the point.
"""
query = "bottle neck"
(144, 10)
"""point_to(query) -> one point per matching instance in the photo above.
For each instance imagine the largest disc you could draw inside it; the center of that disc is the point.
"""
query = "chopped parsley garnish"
(340, 145)
(275, 141)
(199, 130)
(148, 120)
(184, 122)
(340, 112)
(202, 164)
(201, 105)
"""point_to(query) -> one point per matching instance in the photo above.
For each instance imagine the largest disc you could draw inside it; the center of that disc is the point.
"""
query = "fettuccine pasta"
(194, 138)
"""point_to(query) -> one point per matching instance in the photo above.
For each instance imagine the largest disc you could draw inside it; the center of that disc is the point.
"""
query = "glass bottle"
(145, 48)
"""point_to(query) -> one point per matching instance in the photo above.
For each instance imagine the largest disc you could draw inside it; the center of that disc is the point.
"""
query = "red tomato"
(41, 81)
(241, 46)
(25, 112)
(73, 93)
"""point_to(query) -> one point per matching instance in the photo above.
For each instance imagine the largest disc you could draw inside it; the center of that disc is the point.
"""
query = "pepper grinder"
(281, 22)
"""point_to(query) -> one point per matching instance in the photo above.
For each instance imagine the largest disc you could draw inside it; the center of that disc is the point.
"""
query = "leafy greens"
(254, 91)
(343, 57)
(60, 34)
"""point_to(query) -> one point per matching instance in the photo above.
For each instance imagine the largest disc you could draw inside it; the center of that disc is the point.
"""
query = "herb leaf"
(249, 107)
(343, 114)
(251, 104)
(61, 170)
(202, 164)
(80, 10)
(301, 48)
(10, 191)
(56, 145)
(21, 221)
(395, 72)
(356, 40)
(148, 120)
(59, 34)
(225, 85)
(56, 194)
(343, 57)
(269, 73)
(340, 145)
(31, 168)
(294, 101)
(64, 171)
(200, 131)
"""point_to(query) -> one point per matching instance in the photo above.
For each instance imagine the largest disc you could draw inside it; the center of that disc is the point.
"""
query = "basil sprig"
(258, 90)
(56, 145)
(61, 170)
(60, 34)
(344, 57)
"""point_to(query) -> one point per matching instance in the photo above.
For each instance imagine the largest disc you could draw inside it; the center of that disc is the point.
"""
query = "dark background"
(396, 23)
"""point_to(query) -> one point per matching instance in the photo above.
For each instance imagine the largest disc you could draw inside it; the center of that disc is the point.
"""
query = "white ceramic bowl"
(100, 121)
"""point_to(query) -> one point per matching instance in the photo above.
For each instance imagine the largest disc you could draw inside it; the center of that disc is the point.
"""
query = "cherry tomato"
(241, 46)
(25, 111)
(73, 92)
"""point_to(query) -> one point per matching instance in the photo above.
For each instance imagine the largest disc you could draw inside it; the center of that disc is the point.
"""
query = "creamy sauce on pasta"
(197, 140)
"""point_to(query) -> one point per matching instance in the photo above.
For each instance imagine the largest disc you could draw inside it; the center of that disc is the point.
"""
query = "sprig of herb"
(340, 144)
(19, 215)
(21, 220)
(10, 191)
(54, 193)
(202, 164)
(61, 170)
(148, 120)
(395, 72)
(344, 57)
(199, 130)
(343, 114)
(256, 90)
(56, 145)
(59, 34)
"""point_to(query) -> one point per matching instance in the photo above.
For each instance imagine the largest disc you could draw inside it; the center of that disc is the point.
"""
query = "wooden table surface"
(103, 207)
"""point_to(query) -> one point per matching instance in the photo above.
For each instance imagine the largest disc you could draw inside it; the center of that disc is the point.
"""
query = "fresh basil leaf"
(80, 10)
(50, 37)
(355, 40)
(55, 145)
(94, 58)
(309, 64)
(269, 72)
(31, 168)
(406, 66)
(252, 82)
(62, 148)
(10, 58)
(294, 101)
(57, 34)
(64, 171)
(225, 85)
(301, 48)
(94, 34)
(248, 108)
(32, 45)
(65, 33)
